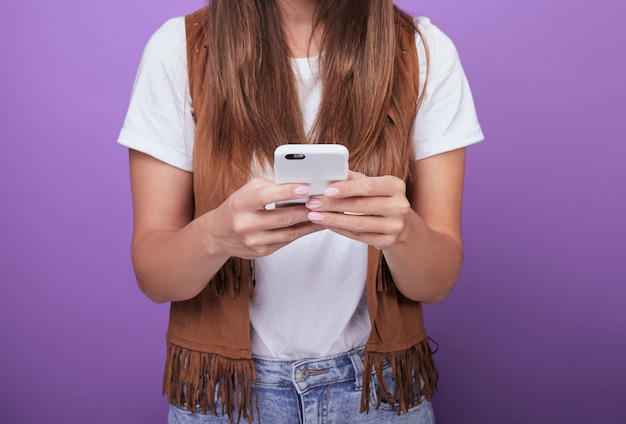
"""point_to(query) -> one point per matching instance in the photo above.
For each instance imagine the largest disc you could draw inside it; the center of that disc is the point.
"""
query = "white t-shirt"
(310, 299)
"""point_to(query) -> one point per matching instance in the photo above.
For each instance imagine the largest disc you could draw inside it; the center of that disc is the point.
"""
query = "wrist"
(208, 237)
(413, 228)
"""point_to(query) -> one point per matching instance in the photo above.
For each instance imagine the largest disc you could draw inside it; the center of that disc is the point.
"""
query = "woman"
(301, 313)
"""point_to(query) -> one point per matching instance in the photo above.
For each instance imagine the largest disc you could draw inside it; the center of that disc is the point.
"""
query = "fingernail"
(315, 217)
(313, 204)
(331, 192)
(301, 190)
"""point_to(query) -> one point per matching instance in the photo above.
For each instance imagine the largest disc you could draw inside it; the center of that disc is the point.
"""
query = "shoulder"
(437, 45)
(447, 117)
(168, 43)
(164, 59)
(159, 120)
(171, 33)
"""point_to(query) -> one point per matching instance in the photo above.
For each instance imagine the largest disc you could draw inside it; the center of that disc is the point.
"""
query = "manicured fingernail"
(331, 192)
(301, 190)
(315, 217)
(313, 204)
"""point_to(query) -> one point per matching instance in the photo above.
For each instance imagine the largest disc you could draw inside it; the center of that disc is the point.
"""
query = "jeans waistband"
(309, 373)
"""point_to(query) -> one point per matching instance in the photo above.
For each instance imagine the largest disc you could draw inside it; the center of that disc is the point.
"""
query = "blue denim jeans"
(315, 391)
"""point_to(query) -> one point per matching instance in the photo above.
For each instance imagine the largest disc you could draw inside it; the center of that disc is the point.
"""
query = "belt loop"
(356, 357)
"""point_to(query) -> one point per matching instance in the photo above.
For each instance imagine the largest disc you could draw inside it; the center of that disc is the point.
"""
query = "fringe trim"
(228, 280)
(407, 368)
(384, 280)
(199, 381)
(252, 280)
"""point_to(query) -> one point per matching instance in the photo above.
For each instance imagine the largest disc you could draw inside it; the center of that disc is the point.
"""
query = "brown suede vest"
(209, 357)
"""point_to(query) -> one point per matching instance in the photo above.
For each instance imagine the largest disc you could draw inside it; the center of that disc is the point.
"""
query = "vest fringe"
(252, 280)
(414, 374)
(227, 281)
(384, 280)
(200, 382)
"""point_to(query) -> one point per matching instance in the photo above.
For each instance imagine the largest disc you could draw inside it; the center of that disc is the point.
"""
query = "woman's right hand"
(175, 256)
(242, 226)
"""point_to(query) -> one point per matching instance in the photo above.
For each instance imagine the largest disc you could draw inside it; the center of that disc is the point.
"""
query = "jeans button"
(302, 375)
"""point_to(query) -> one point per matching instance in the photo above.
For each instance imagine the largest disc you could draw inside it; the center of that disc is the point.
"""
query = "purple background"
(535, 330)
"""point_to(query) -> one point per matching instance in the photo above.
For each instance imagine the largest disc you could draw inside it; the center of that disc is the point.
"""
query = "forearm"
(425, 263)
(174, 265)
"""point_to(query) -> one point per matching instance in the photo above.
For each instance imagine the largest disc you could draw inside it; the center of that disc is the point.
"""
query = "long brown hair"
(248, 104)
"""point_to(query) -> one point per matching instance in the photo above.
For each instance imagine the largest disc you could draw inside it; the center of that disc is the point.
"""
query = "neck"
(297, 18)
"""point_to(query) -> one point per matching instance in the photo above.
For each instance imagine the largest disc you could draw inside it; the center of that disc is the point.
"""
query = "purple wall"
(535, 330)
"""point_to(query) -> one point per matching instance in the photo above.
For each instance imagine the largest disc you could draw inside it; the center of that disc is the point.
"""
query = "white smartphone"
(316, 165)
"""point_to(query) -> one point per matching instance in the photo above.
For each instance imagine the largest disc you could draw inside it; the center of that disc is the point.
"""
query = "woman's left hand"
(373, 210)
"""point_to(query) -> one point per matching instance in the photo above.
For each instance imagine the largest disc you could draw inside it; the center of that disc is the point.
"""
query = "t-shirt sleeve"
(447, 117)
(159, 121)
